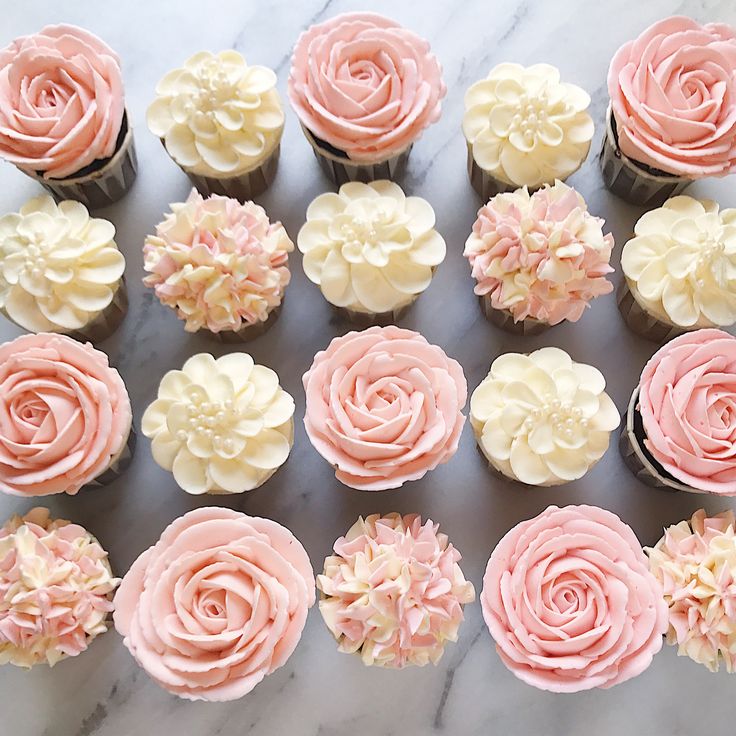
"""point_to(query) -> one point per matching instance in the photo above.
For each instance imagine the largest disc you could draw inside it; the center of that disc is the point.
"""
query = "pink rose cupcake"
(218, 603)
(62, 115)
(680, 430)
(570, 601)
(384, 406)
(394, 592)
(65, 418)
(672, 117)
(364, 89)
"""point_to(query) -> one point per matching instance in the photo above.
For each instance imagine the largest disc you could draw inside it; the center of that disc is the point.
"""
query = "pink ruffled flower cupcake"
(62, 115)
(680, 430)
(222, 265)
(384, 406)
(672, 117)
(218, 603)
(570, 601)
(695, 561)
(364, 89)
(56, 589)
(394, 592)
(538, 259)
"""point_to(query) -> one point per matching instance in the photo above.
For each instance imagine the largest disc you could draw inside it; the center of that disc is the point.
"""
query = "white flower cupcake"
(221, 426)
(61, 271)
(541, 418)
(371, 249)
(221, 120)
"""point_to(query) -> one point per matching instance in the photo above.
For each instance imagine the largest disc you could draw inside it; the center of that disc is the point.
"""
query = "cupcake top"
(64, 415)
(525, 127)
(369, 247)
(55, 589)
(570, 602)
(687, 401)
(673, 98)
(541, 418)
(384, 406)
(540, 255)
(695, 562)
(218, 603)
(365, 85)
(216, 115)
(220, 264)
(61, 101)
(393, 592)
(221, 426)
(59, 267)
(681, 264)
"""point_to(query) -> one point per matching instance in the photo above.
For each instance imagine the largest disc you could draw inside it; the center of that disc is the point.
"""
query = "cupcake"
(570, 602)
(384, 407)
(218, 603)
(680, 430)
(393, 592)
(680, 270)
(65, 417)
(542, 419)
(221, 426)
(61, 271)
(62, 115)
(672, 117)
(221, 121)
(538, 259)
(364, 89)
(222, 265)
(370, 249)
(524, 128)
(56, 589)
(695, 562)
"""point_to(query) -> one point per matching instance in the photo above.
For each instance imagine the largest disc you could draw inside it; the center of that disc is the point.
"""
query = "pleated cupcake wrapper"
(118, 465)
(342, 170)
(630, 182)
(485, 184)
(370, 319)
(504, 320)
(642, 322)
(246, 333)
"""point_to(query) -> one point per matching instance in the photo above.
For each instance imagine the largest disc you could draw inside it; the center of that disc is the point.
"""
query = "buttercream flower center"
(212, 420)
(533, 115)
(562, 416)
(215, 88)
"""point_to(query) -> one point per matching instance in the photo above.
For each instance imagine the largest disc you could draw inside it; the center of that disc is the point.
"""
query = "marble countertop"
(321, 692)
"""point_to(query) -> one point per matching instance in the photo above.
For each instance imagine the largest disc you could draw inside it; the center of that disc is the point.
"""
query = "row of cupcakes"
(364, 89)
(219, 602)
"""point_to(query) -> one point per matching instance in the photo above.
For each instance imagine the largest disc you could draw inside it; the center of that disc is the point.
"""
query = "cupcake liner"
(485, 184)
(504, 320)
(341, 170)
(631, 182)
(247, 332)
(370, 319)
(118, 465)
(642, 322)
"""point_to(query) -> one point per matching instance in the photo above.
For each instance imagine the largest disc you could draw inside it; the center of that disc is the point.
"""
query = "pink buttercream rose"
(365, 85)
(673, 96)
(64, 415)
(61, 101)
(570, 601)
(687, 401)
(218, 603)
(384, 406)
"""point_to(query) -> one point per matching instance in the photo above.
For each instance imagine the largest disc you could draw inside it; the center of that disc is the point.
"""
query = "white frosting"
(218, 116)
(525, 126)
(221, 426)
(541, 418)
(59, 267)
(369, 247)
(681, 264)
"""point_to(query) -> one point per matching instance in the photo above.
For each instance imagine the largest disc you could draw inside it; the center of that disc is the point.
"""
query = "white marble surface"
(319, 691)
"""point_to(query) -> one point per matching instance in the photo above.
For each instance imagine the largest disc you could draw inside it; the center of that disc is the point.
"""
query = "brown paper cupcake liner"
(370, 319)
(342, 170)
(504, 320)
(629, 181)
(118, 465)
(246, 333)
(642, 322)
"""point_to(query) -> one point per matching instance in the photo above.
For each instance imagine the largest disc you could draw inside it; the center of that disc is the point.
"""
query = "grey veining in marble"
(321, 692)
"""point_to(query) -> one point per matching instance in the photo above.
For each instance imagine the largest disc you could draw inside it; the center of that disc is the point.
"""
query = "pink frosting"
(365, 85)
(570, 601)
(673, 95)
(218, 603)
(64, 415)
(61, 101)
(384, 406)
(687, 400)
